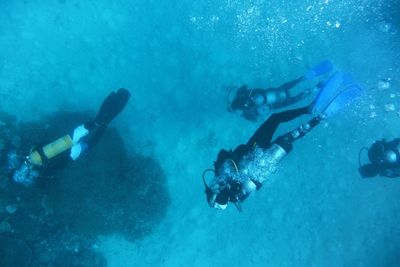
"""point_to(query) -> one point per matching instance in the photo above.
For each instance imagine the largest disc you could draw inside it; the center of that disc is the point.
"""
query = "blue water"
(178, 59)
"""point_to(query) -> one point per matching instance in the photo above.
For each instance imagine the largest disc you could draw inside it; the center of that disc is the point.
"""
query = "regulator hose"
(204, 179)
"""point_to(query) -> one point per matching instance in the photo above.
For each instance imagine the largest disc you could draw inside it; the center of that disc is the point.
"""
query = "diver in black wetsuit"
(255, 102)
(84, 137)
(233, 190)
(384, 157)
(239, 172)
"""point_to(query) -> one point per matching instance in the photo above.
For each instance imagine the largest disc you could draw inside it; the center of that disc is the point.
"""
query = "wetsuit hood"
(376, 152)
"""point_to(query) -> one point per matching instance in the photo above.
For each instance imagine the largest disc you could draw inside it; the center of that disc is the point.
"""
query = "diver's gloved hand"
(79, 133)
(76, 151)
(78, 146)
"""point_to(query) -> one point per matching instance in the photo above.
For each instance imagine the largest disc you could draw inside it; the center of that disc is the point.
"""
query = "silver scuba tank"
(275, 96)
(276, 152)
(260, 164)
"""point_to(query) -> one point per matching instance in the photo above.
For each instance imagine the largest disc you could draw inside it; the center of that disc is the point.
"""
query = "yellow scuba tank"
(50, 150)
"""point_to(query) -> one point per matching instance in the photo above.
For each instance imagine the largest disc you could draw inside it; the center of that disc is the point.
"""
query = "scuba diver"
(83, 138)
(240, 172)
(384, 157)
(253, 103)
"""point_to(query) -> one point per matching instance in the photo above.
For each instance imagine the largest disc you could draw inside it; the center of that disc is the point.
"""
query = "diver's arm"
(369, 170)
(289, 85)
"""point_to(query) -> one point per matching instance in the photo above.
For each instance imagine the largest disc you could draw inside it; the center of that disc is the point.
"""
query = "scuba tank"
(259, 165)
(40, 156)
(277, 153)
(275, 96)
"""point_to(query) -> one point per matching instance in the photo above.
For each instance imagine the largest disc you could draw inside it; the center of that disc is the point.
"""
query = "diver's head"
(379, 153)
(213, 193)
(241, 100)
(376, 153)
(215, 199)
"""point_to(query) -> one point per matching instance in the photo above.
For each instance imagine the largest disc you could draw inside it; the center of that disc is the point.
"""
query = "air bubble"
(390, 107)
(383, 84)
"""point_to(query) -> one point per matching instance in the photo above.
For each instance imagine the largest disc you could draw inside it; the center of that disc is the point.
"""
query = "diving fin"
(322, 68)
(345, 98)
(337, 92)
(112, 106)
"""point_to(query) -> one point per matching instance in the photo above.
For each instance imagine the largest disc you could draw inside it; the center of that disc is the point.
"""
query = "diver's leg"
(263, 136)
(93, 140)
(289, 85)
(112, 106)
(286, 141)
(291, 100)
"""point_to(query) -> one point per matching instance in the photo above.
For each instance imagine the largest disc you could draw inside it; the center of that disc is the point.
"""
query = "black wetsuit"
(262, 138)
(245, 102)
(110, 108)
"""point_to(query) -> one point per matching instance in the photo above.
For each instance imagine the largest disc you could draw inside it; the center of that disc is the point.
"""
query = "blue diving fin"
(339, 91)
(345, 98)
(322, 68)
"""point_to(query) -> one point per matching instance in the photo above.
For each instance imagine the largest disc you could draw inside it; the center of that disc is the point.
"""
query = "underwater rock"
(11, 208)
(13, 160)
(46, 205)
(14, 253)
(106, 191)
(16, 141)
(5, 227)
(1, 144)
(25, 176)
(80, 259)
(390, 22)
